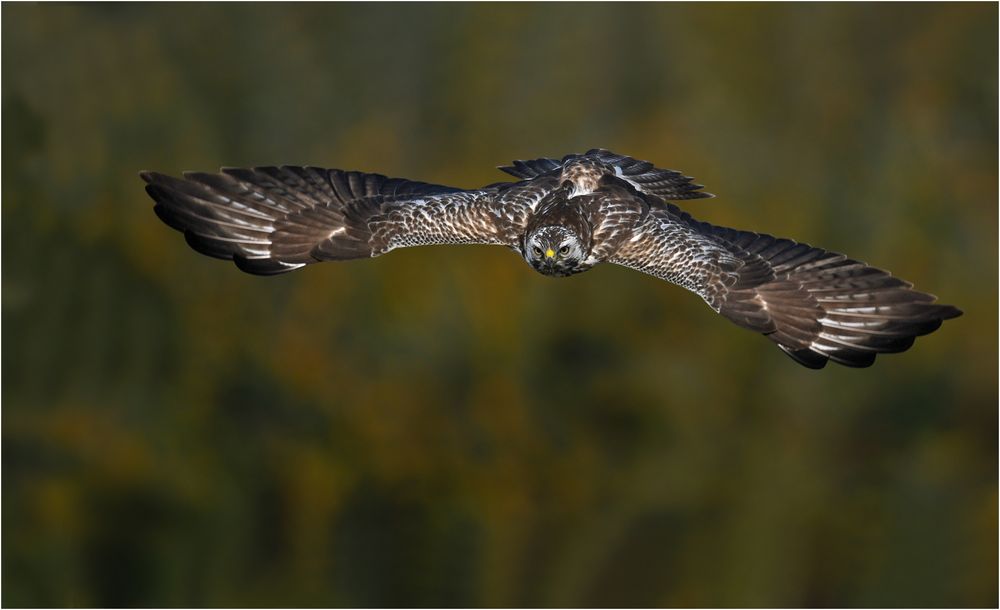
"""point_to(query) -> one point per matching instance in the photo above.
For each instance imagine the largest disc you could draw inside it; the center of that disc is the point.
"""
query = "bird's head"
(555, 250)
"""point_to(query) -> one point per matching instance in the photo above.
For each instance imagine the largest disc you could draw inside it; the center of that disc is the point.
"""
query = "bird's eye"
(564, 250)
(536, 250)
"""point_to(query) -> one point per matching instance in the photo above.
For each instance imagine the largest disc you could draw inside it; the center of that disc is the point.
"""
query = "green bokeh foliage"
(443, 426)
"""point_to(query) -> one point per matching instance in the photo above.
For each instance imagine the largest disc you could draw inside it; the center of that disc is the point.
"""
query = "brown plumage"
(563, 216)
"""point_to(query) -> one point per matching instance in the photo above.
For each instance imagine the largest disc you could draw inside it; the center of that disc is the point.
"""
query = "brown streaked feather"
(662, 183)
(814, 304)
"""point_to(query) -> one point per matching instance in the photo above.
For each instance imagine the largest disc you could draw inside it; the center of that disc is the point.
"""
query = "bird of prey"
(563, 216)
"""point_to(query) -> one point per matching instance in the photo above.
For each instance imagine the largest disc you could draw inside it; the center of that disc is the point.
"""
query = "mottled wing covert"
(673, 251)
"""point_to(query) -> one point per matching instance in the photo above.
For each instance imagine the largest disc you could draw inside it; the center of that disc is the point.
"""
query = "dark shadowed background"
(443, 426)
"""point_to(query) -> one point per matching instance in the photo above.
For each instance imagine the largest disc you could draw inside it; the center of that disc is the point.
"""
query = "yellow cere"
(549, 253)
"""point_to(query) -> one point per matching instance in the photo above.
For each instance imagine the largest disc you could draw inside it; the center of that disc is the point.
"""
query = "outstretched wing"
(815, 304)
(270, 220)
(663, 183)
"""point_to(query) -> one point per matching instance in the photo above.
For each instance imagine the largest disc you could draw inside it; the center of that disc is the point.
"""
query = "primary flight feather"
(563, 217)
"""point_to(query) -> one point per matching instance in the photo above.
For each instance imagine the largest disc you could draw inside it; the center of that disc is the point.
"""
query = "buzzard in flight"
(563, 216)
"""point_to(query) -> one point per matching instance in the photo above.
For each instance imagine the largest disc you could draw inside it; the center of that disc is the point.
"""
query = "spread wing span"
(815, 304)
(563, 216)
(271, 220)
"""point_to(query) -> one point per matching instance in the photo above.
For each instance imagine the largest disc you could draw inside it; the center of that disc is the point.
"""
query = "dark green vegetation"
(443, 425)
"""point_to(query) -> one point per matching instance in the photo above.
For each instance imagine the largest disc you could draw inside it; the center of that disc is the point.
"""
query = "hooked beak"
(549, 253)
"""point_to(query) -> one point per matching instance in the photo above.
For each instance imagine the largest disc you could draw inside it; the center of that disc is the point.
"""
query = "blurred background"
(444, 426)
